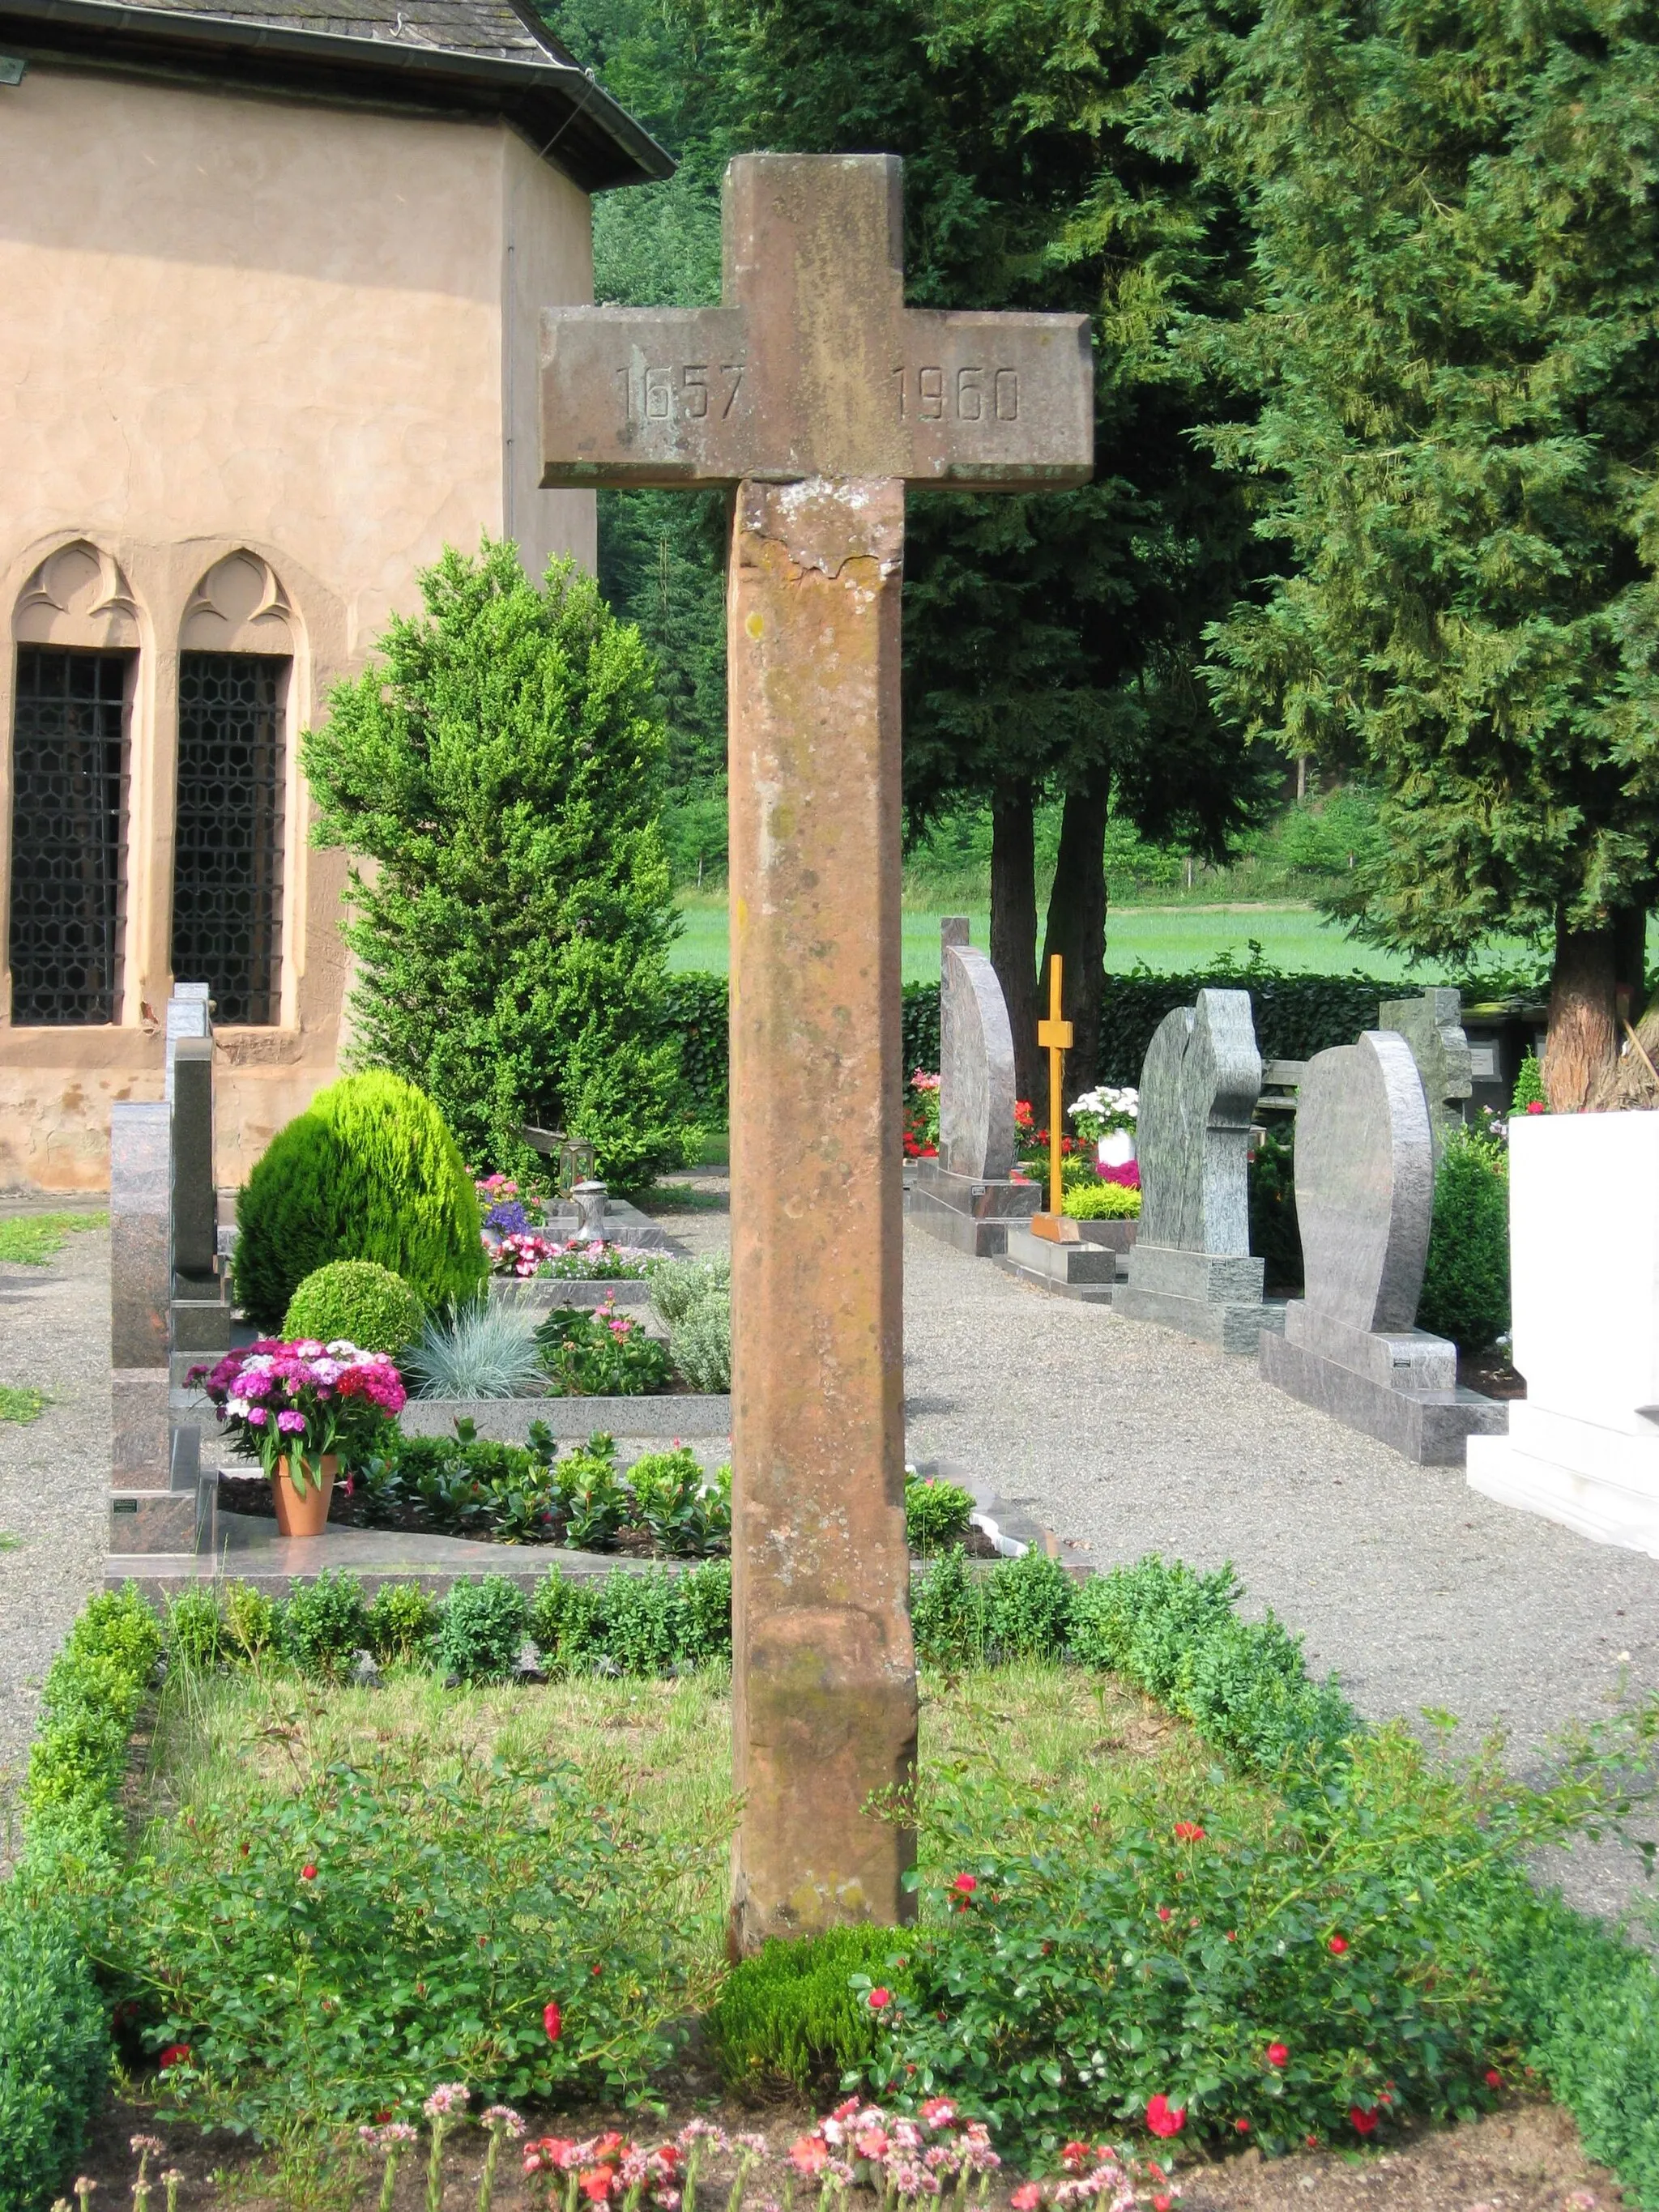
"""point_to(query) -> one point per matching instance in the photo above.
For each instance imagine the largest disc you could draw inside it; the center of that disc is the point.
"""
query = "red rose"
(1279, 2054)
(1535, 1106)
(1363, 2118)
(1162, 2117)
(176, 2054)
(1337, 1945)
(552, 2019)
(1494, 2079)
(1241, 2126)
(307, 1873)
(1188, 1831)
(879, 2000)
(965, 1885)
(1164, 1913)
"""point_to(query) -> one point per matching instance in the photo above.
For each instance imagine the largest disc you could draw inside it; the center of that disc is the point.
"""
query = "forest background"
(1373, 294)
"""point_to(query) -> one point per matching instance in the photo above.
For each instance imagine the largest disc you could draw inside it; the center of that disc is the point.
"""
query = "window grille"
(68, 836)
(227, 857)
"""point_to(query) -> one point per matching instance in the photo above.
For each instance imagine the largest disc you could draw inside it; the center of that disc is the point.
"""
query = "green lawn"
(1170, 940)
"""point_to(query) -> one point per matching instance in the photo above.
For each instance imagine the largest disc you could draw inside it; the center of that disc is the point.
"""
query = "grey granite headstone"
(195, 1198)
(1190, 1267)
(1365, 1197)
(141, 1290)
(977, 1065)
(968, 1194)
(1432, 1026)
(201, 1317)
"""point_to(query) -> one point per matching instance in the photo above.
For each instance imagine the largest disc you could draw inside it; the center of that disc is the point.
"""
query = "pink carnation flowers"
(301, 1400)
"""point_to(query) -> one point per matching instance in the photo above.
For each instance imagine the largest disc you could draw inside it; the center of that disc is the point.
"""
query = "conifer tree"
(1453, 355)
(500, 764)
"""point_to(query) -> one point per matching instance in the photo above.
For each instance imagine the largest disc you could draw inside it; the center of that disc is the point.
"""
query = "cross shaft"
(817, 395)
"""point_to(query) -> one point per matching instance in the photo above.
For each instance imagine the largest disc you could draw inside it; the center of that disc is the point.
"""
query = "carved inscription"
(686, 394)
(972, 393)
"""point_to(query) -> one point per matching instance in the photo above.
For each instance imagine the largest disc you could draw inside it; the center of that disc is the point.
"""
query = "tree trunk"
(1077, 931)
(1630, 979)
(1628, 1081)
(1013, 925)
(1582, 1043)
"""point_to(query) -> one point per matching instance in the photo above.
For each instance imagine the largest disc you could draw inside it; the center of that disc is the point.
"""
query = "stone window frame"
(153, 603)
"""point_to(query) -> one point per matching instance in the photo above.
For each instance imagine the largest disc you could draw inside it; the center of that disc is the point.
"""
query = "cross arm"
(640, 396)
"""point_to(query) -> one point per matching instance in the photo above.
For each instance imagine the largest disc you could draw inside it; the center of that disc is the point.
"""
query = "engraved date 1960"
(687, 393)
(968, 394)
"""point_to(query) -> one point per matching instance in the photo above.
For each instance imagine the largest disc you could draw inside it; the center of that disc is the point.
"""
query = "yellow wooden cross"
(1054, 1037)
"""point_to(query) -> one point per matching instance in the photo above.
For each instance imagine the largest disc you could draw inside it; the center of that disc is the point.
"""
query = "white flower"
(238, 1406)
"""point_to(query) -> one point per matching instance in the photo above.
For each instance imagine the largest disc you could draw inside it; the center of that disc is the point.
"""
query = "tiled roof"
(489, 28)
(467, 57)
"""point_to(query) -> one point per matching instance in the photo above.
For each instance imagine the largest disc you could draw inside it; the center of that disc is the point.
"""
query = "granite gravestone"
(1364, 1196)
(814, 395)
(968, 1196)
(201, 1316)
(1432, 1027)
(1190, 1267)
(155, 1504)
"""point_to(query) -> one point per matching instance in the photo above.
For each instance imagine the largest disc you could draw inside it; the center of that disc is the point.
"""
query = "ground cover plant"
(601, 1352)
(30, 1240)
(470, 1485)
(18, 1402)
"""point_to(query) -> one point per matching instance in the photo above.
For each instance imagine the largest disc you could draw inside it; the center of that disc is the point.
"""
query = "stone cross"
(816, 395)
(1054, 1037)
(1432, 1027)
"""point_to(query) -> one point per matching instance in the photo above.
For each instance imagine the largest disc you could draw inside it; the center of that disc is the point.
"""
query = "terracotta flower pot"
(306, 1515)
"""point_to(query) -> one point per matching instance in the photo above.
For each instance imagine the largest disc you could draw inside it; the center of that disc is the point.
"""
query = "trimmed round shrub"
(54, 2053)
(482, 1629)
(357, 1299)
(325, 1624)
(369, 1172)
(1466, 1283)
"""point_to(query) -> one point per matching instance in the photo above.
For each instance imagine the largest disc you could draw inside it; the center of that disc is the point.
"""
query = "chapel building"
(270, 276)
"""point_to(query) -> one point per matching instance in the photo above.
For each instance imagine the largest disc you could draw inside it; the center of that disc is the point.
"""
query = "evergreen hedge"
(1296, 1016)
(369, 1172)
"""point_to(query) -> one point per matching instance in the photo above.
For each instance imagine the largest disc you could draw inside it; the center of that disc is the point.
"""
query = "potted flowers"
(296, 1408)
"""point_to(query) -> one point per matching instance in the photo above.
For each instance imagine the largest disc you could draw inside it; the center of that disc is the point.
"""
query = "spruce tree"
(1453, 362)
(500, 766)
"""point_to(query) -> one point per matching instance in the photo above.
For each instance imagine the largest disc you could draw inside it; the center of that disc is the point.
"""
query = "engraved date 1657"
(682, 394)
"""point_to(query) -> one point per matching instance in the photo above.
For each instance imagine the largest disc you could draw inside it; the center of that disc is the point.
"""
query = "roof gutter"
(428, 68)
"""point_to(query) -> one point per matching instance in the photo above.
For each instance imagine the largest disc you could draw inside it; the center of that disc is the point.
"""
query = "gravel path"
(54, 1475)
(1416, 1590)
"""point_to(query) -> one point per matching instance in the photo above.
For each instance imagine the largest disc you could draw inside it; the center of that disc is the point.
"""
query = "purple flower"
(290, 1424)
(258, 1417)
(508, 1219)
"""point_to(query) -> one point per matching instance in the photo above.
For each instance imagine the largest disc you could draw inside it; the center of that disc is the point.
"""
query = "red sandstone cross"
(817, 395)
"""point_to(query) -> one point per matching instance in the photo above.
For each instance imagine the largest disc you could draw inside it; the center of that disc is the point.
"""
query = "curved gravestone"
(975, 1067)
(968, 1195)
(1364, 1198)
(1190, 1267)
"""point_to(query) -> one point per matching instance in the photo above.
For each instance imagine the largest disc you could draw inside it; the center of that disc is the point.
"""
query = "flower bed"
(1244, 1908)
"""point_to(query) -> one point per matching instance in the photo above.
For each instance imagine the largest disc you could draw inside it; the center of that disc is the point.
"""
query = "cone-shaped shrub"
(369, 1172)
(500, 764)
